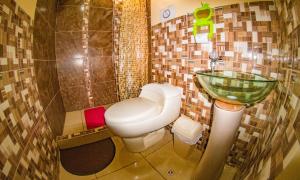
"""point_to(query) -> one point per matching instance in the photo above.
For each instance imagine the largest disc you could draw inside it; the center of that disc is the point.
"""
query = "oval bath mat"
(89, 158)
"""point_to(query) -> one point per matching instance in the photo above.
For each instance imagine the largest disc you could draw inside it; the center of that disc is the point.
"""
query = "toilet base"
(139, 144)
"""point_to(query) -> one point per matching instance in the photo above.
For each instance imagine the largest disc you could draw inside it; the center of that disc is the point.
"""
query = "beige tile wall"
(27, 143)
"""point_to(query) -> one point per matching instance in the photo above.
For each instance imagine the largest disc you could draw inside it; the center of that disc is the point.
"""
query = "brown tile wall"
(45, 64)
(84, 53)
(282, 130)
(248, 37)
(27, 143)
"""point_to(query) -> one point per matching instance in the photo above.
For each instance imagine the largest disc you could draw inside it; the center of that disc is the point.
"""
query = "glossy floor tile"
(65, 175)
(123, 158)
(167, 138)
(228, 173)
(172, 166)
(158, 162)
(73, 122)
(137, 170)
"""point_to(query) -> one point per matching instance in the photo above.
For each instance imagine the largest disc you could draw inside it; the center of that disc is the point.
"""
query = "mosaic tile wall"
(132, 64)
(27, 144)
(282, 129)
(84, 46)
(246, 36)
(45, 64)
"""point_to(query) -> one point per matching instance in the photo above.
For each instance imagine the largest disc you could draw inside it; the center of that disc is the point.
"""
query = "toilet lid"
(131, 110)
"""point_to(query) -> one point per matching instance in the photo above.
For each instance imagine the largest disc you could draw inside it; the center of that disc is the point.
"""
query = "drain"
(171, 172)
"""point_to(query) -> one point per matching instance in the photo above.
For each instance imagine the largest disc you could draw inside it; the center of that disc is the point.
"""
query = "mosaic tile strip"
(132, 64)
(86, 61)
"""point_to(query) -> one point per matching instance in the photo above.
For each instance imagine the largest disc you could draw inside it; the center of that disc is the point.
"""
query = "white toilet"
(140, 121)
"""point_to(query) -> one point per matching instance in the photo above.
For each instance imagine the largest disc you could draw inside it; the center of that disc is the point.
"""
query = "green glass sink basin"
(236, 87)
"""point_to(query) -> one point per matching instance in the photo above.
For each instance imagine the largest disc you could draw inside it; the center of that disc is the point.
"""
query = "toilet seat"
(131, 110)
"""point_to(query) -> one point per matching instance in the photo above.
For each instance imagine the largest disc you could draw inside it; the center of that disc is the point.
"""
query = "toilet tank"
(167, 95)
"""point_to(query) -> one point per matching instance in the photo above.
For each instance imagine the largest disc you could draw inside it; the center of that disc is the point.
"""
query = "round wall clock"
(166, 13)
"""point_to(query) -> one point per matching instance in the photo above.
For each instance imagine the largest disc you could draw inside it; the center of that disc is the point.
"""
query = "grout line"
(45, 19)
(157, 149)
(52, 60)
(161, 146)
(45, 109)
(67, 31)
(153, 167)
(82, 119)
(18, 70)
(34, 129)
(126, 166)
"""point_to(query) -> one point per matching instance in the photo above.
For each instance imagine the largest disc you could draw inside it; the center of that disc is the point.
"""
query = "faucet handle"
(220, 62)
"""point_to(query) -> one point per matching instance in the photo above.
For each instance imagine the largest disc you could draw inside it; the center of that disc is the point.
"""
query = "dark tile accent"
(104, 93)
(54, 76)
(46, 77)
(70, 73)
(101, 3)
(41, 41)
(69, 18)
(68, 45)
(100, 43)
(47, 8)
(55, 114)
(100, 19)
(51, 45)
(70, 2)
(102, 69)
(75, 98)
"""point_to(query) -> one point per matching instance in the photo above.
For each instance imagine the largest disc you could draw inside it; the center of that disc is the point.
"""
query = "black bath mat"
(89, 158)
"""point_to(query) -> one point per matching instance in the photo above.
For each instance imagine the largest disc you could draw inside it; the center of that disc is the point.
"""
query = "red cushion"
(94, 117)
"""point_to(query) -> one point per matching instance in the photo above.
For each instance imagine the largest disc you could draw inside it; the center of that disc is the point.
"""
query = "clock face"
(166, 13)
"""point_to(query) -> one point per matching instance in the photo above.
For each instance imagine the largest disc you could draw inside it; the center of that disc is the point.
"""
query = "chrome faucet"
(214, 59)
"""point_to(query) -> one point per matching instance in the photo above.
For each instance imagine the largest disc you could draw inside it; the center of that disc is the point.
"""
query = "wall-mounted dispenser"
(203, 16)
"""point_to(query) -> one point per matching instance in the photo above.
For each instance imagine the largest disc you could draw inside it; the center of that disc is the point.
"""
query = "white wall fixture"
(226, 122)
(167, 13)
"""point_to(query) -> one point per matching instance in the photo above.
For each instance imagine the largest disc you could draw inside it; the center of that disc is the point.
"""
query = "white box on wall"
(167, 13)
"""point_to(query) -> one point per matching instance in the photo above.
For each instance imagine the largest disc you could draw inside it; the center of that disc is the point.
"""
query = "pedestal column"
(226, 121)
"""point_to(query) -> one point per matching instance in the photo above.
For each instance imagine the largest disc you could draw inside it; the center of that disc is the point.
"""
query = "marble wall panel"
(84, 54)
(100, 18)
(102, 70)
(100, 43)
(70, 2)
(45, 59)
(75, 98)
(69, 45)
(102, 3)
(69, 18)
(105, 93)
(71, 73)
(56, 111)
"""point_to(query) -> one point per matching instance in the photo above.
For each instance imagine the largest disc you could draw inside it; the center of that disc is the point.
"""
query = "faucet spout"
(214, 57)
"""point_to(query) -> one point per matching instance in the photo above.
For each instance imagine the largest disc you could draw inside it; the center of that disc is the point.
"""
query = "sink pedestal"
(226, 120)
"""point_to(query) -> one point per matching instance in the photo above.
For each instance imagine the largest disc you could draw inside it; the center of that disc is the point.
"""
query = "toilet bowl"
(140, 121)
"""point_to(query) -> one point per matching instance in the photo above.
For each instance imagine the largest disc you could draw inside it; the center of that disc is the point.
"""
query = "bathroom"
(140, 89)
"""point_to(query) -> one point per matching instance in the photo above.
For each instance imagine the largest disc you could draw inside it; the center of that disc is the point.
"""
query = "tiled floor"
(158, 162)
